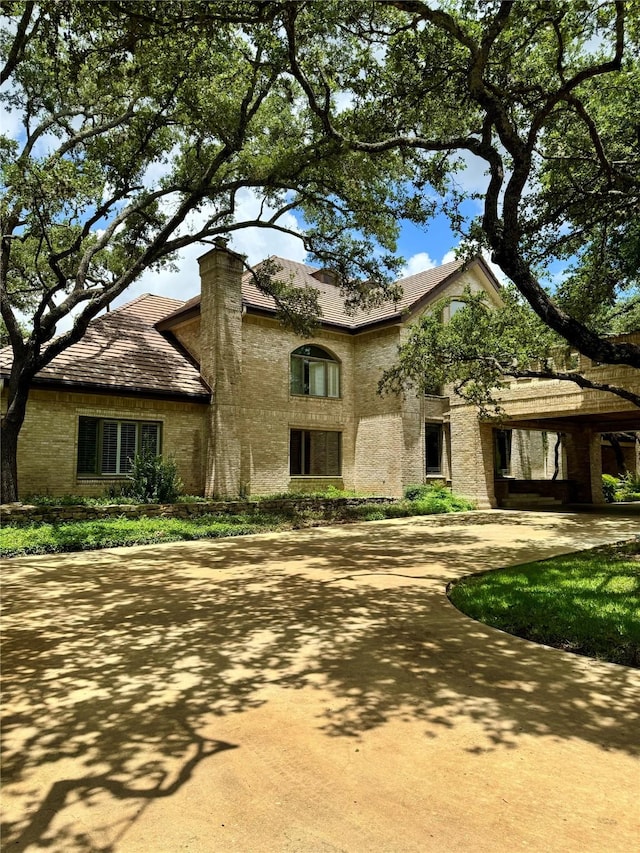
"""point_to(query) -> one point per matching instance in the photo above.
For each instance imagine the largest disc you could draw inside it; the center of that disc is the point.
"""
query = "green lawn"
(588, 603)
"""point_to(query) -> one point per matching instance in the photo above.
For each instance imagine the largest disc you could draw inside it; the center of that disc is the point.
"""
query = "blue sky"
(422, 248)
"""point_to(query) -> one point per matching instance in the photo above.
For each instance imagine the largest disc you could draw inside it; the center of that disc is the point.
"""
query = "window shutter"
(109, 447)
(127, 446)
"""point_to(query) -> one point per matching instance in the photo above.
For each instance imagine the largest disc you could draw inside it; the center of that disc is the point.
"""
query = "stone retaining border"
(19, 514)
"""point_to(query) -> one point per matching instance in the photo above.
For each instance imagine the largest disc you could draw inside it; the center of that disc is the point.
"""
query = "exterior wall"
(271, 411)
(379, 446)
(475, 281)
(188, 334)
(472, 456)
(48, 443)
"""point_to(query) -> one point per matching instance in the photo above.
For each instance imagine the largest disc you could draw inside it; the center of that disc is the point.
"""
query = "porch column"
(472, 462)
(584, 464)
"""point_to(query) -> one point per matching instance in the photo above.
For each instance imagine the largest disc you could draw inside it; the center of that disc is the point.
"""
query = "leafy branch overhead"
(480, 349)
(144, 127)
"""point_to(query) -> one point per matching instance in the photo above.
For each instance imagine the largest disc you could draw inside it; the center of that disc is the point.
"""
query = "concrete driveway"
(313, 691)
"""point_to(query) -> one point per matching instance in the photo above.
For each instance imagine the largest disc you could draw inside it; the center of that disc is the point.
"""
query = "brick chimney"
(221, 367)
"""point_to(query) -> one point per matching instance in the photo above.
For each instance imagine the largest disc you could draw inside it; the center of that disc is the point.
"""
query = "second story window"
(314, 372)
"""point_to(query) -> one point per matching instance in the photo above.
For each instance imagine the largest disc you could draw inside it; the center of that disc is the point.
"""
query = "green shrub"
(417, 492)
(628, 488)
(154, 479)
(432, 499)
(609, 487)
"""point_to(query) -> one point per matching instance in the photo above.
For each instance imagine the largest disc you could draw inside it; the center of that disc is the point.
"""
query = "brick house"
(247, 407)
(242, 404)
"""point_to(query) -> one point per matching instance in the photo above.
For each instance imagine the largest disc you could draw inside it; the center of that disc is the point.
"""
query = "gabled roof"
(416, 290)
(123, 352)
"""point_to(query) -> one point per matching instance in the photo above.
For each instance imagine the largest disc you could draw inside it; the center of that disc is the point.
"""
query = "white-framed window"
(455, 305)
(433, 445)
(106, 446)
(315, 453)
(314, 372)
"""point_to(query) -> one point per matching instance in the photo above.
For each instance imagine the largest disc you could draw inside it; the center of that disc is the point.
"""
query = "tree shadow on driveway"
(116, 662)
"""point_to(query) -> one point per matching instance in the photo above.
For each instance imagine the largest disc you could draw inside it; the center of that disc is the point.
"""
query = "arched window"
(314, 372)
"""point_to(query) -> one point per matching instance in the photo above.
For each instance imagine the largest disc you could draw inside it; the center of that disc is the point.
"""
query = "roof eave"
(122, 390)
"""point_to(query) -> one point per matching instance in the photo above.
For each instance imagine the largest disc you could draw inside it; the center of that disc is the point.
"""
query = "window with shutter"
(106, 446)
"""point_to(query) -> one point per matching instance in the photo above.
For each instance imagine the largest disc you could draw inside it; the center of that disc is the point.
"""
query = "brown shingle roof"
(123, 351)
(331, 301)
(415, 289)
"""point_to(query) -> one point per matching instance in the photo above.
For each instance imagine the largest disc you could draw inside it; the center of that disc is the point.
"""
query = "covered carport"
(485, 468)
(555, 461)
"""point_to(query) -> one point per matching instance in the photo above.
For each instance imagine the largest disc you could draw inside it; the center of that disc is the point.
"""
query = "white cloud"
(473, 176)
(183, 281)
(417, 263)
(259, 243)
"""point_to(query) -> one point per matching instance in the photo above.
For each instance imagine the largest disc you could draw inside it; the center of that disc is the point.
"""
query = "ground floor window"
(433, 443)
(503, 452)
(107, 446)
(315, 453)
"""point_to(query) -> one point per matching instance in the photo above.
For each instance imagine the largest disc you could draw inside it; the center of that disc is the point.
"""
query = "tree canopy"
(545, 96)
(143, 122)
(140, 124)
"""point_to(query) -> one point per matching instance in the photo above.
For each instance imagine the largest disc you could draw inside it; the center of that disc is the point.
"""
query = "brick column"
(221, 367)
(584, 464)
(472, 452)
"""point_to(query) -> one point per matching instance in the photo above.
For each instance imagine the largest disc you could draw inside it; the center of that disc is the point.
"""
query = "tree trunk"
(612, 438)
(556, 456)
(10, 427)
(9, 453)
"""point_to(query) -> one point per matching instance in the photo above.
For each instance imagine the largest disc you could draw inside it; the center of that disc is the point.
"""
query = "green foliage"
(154, 479)
(475, 349)
(542, 97)
(629, 487)
(621, 489)
(587, 603)
(112, 532)
(115, 532)
(415, 492)
(609, 486)
(123, 158)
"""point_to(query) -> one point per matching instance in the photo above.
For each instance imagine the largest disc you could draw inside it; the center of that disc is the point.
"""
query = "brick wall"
(48, 443)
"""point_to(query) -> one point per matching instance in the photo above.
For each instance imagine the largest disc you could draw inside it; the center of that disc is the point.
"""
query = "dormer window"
(314, 372)
(326, 276)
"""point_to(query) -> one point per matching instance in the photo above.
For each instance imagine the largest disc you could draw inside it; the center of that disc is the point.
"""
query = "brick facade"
(48, 443)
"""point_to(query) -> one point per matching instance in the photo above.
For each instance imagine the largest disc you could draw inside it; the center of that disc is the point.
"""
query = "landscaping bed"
(51, 529)
(587, 603)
